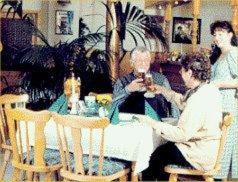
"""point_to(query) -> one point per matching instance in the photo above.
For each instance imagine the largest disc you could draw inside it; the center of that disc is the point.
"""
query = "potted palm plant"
(133, 21)
(48, 65)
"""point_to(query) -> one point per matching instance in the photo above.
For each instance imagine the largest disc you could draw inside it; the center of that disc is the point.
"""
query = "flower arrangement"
(104, 101)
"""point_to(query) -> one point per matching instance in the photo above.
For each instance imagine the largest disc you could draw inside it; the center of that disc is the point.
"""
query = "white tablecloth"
(130, 141)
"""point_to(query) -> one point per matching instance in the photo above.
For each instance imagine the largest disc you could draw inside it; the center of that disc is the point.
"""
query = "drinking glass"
(90, 102)
(148, 83)
(141, 74)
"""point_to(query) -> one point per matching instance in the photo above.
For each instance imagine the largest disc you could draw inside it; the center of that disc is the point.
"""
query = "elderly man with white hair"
(128, 93)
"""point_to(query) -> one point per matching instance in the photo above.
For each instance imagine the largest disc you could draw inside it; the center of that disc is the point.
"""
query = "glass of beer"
(148, 83)
(141, 74)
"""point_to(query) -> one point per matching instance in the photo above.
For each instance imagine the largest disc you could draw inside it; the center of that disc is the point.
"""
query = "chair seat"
(51, 156)
(175, 166)
(110, 165)
(177, 169)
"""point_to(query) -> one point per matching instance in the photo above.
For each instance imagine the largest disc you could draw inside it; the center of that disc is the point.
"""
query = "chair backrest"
(9, 101)
(227, 119)
(26, 128)
(71, 126)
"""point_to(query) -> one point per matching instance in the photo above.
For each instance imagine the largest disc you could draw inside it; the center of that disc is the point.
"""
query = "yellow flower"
(104, 99)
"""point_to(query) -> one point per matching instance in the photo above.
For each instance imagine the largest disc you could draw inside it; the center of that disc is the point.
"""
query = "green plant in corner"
(46, 66)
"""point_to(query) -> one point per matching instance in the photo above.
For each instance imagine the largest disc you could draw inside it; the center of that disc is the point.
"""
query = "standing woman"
(225, 77)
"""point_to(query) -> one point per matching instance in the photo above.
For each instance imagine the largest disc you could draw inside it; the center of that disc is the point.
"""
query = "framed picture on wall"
(64, 20)
(182, 30)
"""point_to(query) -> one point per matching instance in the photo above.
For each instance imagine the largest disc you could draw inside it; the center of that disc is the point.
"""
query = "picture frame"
(64, 20)
(182, 30)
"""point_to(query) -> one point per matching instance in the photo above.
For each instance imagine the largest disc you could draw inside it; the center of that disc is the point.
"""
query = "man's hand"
(135, 85)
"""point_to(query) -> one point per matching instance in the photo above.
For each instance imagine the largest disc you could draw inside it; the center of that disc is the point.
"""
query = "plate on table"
(129, 117)
(170, 120)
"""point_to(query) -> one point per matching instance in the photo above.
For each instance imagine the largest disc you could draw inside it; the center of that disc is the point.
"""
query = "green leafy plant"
(133, 21)
(15, 7)
(47, 66)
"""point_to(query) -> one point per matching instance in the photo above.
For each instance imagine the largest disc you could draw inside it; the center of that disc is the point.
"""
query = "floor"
(8, 175)
(9, 170)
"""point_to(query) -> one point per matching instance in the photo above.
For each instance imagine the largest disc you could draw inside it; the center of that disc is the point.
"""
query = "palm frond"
(132, 12)
(36, 30)
(139, 33)
(135, 18)
(15, 5)
(38, 57)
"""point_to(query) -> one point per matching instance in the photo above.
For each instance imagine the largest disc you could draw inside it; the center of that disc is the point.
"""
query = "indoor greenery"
(46, 66)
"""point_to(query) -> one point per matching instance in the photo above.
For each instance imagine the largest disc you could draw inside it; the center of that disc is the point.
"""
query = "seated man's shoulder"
(158, 77)
(124, 79)
(158, 74)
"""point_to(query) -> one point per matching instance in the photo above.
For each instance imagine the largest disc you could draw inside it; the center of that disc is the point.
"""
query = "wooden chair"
(8, 101)
(82, 167)
(26, 129)
(175, 170)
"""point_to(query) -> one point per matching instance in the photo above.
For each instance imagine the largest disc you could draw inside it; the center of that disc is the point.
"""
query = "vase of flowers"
(104, 102)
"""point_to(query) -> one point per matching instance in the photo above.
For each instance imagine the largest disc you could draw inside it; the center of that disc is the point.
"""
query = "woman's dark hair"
(199, 64)
(224, 25)
(216, 52)
(221, 25)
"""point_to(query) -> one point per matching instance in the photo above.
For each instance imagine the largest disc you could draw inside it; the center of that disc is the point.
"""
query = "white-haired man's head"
(140, 59)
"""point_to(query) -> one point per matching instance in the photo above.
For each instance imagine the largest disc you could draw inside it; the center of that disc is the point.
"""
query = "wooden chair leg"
(57, 176)
(209, 179)
(123, 178)
(16, 174)
(173, 177)
(6, 159)
(29, 175)
(36, 177)
(134, 177)
(48, 176)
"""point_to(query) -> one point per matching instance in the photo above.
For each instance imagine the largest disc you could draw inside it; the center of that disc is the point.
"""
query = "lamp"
(63, 2)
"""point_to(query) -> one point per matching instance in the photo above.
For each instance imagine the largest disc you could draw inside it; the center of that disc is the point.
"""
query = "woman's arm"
(226, 83)
(171, 96)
